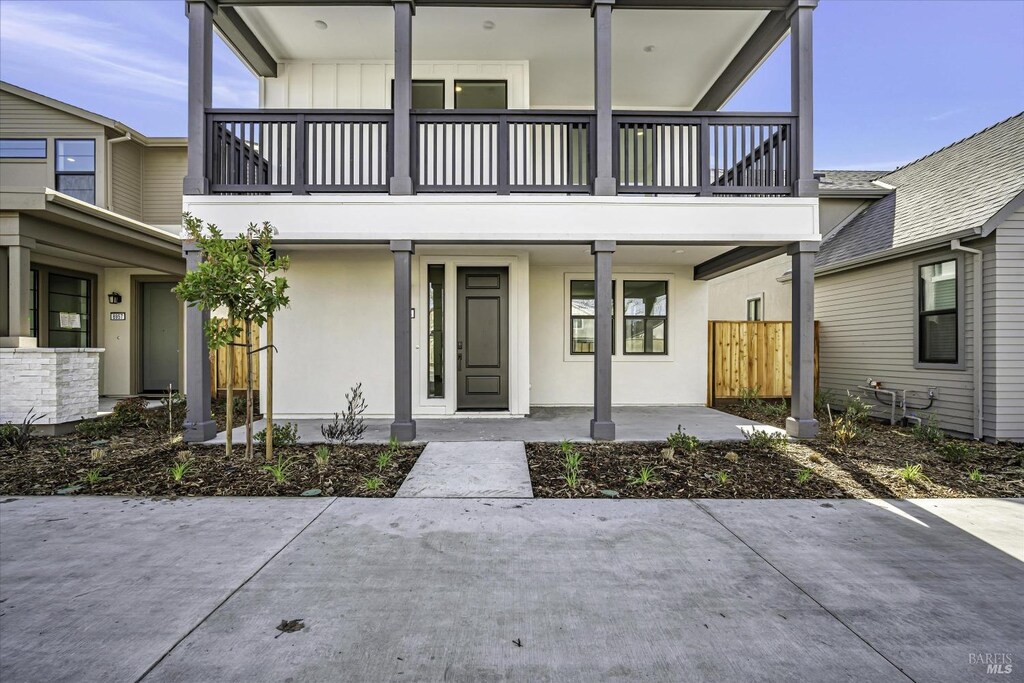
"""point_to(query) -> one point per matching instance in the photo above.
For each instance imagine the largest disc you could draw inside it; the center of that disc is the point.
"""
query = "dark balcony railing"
(502, 152)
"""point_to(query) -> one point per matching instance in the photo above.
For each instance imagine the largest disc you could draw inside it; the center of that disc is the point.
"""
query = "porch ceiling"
(661, 59)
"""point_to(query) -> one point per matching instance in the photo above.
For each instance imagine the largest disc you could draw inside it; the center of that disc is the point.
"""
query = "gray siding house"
(911, 286)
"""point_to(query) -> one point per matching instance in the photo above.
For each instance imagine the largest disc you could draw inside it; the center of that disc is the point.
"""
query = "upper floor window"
(938, 314)
(16, 148)
(76, 169)
(645, 315)
(481, 94)
(425, 94)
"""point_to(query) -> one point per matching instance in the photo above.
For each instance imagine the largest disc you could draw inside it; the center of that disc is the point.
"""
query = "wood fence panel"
(744, 355)
(219, 365)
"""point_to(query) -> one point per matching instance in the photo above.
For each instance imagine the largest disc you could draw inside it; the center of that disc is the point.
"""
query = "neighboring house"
(90, 212)
(491, 208)
(898, 291)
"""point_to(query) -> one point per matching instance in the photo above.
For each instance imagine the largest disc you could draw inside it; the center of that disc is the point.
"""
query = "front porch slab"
(634, 423)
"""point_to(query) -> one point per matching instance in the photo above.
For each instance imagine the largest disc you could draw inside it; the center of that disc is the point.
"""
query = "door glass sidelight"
(435, 331)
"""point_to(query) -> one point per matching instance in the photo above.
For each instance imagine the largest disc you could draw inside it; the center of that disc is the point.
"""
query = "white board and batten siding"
(366, 84)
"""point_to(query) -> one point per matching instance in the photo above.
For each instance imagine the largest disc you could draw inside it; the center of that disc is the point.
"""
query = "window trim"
(593, 317)
(961, 278)
(58, 173)
(759, 298)
(43, 158)
(627, 318)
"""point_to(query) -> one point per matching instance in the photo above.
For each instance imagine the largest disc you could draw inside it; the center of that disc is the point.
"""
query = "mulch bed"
(867, 468)
(137, 462)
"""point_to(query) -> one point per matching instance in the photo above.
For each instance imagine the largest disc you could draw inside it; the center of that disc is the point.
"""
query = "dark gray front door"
(159, 344)
(482, 344)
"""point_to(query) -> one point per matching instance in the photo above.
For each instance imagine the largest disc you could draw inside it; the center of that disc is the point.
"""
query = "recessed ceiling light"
(648, 48)
(488, 25)
(458, 88)
(320, 24)
(679, 251)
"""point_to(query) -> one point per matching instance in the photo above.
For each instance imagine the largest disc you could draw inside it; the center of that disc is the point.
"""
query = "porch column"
(802, 93)
(404, 427)
(198, 424)
(401, 103)
(802, 424)
(601, 427)
(18, 281)
(604, 180)
(200, 92)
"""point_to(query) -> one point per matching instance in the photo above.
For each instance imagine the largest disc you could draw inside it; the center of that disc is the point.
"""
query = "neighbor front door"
(482, 343)
(159, 325)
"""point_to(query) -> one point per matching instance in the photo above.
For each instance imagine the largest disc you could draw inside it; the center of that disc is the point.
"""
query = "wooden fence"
(219, 365)
(745, 355)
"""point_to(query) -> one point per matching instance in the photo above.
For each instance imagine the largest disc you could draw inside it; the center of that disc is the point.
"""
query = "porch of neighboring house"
(548, 424)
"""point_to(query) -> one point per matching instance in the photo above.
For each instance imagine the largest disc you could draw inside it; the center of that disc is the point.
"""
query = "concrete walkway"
(639, 423)
(469, 469)
(108, 589)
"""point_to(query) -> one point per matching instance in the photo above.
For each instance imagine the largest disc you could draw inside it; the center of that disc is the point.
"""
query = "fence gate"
(219, 364)
(746, 355)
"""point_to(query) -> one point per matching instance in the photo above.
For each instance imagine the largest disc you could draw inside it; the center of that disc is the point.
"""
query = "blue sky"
(894, 79)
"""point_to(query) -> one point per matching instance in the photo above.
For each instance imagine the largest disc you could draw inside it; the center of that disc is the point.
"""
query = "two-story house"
(90, 212)
(496, 205)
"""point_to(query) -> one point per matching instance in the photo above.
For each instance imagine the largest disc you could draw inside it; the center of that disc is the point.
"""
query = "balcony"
(499, 152)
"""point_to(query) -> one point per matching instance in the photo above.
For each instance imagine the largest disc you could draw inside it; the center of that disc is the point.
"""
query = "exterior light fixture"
(679, 251)
(114, 298)
(320, 24)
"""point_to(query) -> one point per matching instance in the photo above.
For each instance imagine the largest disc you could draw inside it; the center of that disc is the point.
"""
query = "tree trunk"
(230, 395)
(248, 390)
(270, 389)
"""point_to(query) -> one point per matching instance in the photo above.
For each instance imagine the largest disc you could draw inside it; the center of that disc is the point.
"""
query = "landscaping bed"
(879, 462)
(138, 459)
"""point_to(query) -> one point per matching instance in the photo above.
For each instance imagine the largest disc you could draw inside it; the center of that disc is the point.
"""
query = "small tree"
(236, 275)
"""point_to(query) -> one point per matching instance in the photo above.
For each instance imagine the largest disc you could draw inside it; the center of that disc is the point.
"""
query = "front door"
(159, 325)
(482, 344)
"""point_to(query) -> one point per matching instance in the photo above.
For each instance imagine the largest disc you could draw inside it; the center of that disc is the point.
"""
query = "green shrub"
(775, 410)
(749, 397)
(844, 431)
(767, 440)
(100, 428)
(857, 410)
(955, 450)
(680, 441)
(286, 434)
(822, 399)
(929, 431)
(18, 436)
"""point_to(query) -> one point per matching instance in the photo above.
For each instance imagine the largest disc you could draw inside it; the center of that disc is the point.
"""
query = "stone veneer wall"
(62, 384)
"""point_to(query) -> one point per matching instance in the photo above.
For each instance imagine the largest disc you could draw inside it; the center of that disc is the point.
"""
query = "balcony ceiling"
(685, 50)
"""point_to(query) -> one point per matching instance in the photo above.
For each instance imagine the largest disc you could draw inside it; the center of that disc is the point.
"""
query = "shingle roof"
(955, 189)
(840, 181)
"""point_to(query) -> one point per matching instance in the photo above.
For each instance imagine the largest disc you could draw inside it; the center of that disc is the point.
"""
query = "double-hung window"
(645, 316)
(938, 315)
(76, 169)
(582, 321)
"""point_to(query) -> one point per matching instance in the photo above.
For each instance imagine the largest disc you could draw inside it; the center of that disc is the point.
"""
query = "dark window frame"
(919, 315)
(457, 83)
(434, 81)
(58, 174)
(43, 303)
(434, 326)
(759, 312)
(43, 157)
(573, 317)
(627, 318)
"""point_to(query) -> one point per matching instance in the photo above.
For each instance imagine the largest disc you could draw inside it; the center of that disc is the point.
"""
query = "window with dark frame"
(582, 323)
(425, 94)
(75, 169)
(481, 94)
(645, 317)
(22, 148)
(69, 311)
(33, 312)
(938, 313)
(435, 331)
(754, 309)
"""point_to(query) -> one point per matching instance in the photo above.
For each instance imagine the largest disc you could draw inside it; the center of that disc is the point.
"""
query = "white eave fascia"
(117, 219)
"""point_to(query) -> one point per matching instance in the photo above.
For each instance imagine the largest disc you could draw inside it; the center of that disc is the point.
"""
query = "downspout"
(109, 172)
(979, 352)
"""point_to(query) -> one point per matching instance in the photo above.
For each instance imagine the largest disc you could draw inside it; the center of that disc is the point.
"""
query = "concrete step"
(469, 469)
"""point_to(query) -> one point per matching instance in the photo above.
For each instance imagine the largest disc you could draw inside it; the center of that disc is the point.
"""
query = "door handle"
(459, 356)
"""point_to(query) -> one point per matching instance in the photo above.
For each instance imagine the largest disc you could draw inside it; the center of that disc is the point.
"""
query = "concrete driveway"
(109, 589)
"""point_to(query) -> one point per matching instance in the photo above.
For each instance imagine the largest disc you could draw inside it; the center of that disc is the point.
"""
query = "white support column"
(802, 424)
(18, 283)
